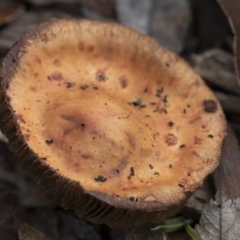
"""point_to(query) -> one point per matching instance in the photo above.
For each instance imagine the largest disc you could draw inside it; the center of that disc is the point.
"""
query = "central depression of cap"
(109, 108)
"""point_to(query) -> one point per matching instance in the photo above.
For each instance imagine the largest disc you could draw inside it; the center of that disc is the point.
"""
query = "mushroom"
(117, 127)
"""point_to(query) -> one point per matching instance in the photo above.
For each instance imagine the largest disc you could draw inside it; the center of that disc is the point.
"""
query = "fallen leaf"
(104, 7)
(217, 67)
(10, 10)
(227, 175)
(221, 220)
(27, 232)
(14, 31)
(170, 20)
(134, 15)
(231, 9)
(227, 101)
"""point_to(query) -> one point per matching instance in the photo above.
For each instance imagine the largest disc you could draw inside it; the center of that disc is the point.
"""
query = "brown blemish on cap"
(56, 62)
(80, 46)
(90, 48)
(197, 140)
(101, 76)
(37, 59)
(210, 105)
(171, 139)
(123, 81)
(57, 76)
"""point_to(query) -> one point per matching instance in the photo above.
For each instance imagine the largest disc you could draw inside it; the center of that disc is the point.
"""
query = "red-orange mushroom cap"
(115, 126)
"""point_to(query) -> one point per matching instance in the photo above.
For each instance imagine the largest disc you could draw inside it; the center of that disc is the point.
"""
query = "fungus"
(85, 127)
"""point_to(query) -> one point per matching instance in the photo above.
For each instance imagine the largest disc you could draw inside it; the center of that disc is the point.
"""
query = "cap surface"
(113, 115)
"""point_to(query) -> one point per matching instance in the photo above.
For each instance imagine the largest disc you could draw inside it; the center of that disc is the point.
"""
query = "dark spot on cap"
(180, 185)
(70, 84)
(210, 106)
(100, 178)
(184, 110)
(152, 103)
(84, 86)
(210, 136)
(145, 90)
(156, 173)
(182, 146)
(49, 141)
(170, 124)
(160, 90)
(167, 64)
(85, 156)
(170, 165)
(164, 110)
(132, 199)
(132, 171)
(100, 76)
(165, 99)
(150, 166)
(115, 171)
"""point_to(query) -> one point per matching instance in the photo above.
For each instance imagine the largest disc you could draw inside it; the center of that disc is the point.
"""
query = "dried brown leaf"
(217, 67)
(135, 15)
(27, 232)
(169, 22)
(227, 175)
(232, 11)
(221, 220)
(10, 10)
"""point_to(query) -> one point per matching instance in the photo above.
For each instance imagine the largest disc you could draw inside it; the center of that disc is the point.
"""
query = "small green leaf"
(191, 232)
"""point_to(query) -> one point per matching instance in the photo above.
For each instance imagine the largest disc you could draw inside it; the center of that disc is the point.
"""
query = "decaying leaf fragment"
(221, 220)
(10, 10)
(27, 232)
(217, 67)
(231, 9)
